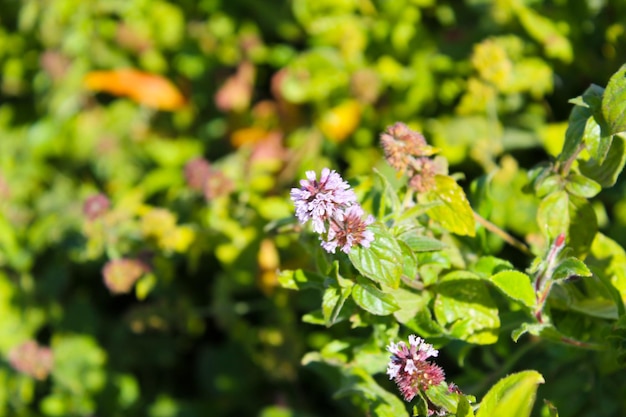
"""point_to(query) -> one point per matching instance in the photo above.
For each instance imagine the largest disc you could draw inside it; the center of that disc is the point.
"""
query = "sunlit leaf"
(571, 267)
(513, 395)
(553, 215)
(383, 261)
(614, 102)
(515, 285)
(582, 186)
(341, 121)
(455, 213)
(465, 307)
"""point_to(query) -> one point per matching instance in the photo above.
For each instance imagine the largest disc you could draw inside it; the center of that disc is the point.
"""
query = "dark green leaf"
(605, 173)
(511, 396)
(373, 300)
(382, 262)
(614, 102)
(577, 123)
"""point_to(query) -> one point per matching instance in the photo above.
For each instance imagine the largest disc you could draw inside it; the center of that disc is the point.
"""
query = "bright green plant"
(410, 270)
(140, 236)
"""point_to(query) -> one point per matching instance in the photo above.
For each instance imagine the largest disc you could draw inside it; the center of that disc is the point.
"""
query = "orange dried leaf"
(248, 135)
(147, 89)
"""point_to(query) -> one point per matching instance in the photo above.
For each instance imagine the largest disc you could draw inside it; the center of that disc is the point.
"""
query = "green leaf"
(533, 328)
(553, 215)
(489, 265)
(383, 261)
(544, 330)
(583, 225)
(577, 122)
(409, 266)
(582, 186)
(441, 397)
(324, 71)
(513, 395)
(608, 261)
(606, 172)
(373, 300)
(455, 213)
(596, 140)
(551, 409)
(381, 402)
(464, 306)
(301, 280)
(335, 296)
(548, 185)
(570, 267)
(409, 303)
(515, 285)
(145, 285)
(614, 102)
(546, 32)
(422, 243)
(389, 196)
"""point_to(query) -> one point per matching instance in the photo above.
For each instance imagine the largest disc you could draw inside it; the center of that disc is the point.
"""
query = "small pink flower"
(409, 368)
(96, 206)
(321, 200)
(197, 171)
(349, 230)
(121, 274)
(32, 359)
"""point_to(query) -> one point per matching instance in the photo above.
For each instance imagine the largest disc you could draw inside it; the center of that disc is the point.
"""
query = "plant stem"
(502, 234)
(567, 165)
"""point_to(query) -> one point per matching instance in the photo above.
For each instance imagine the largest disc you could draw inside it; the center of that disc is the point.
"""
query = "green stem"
(502, 234)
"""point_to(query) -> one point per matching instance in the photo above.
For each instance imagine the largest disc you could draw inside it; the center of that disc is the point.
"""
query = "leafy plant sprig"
(409, 268)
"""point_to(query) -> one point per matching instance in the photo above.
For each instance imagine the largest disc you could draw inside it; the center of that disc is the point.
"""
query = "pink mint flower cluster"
(32, 359)
(412, 372)
(331, 206)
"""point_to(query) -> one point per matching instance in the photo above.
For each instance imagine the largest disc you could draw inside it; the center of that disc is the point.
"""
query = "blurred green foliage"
(271, 90)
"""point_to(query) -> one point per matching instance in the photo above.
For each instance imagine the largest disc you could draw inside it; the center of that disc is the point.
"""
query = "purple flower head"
(321, 200)
(32, 359)
(349, 230)
(197, 171)
(96, 206)
(409, 368)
